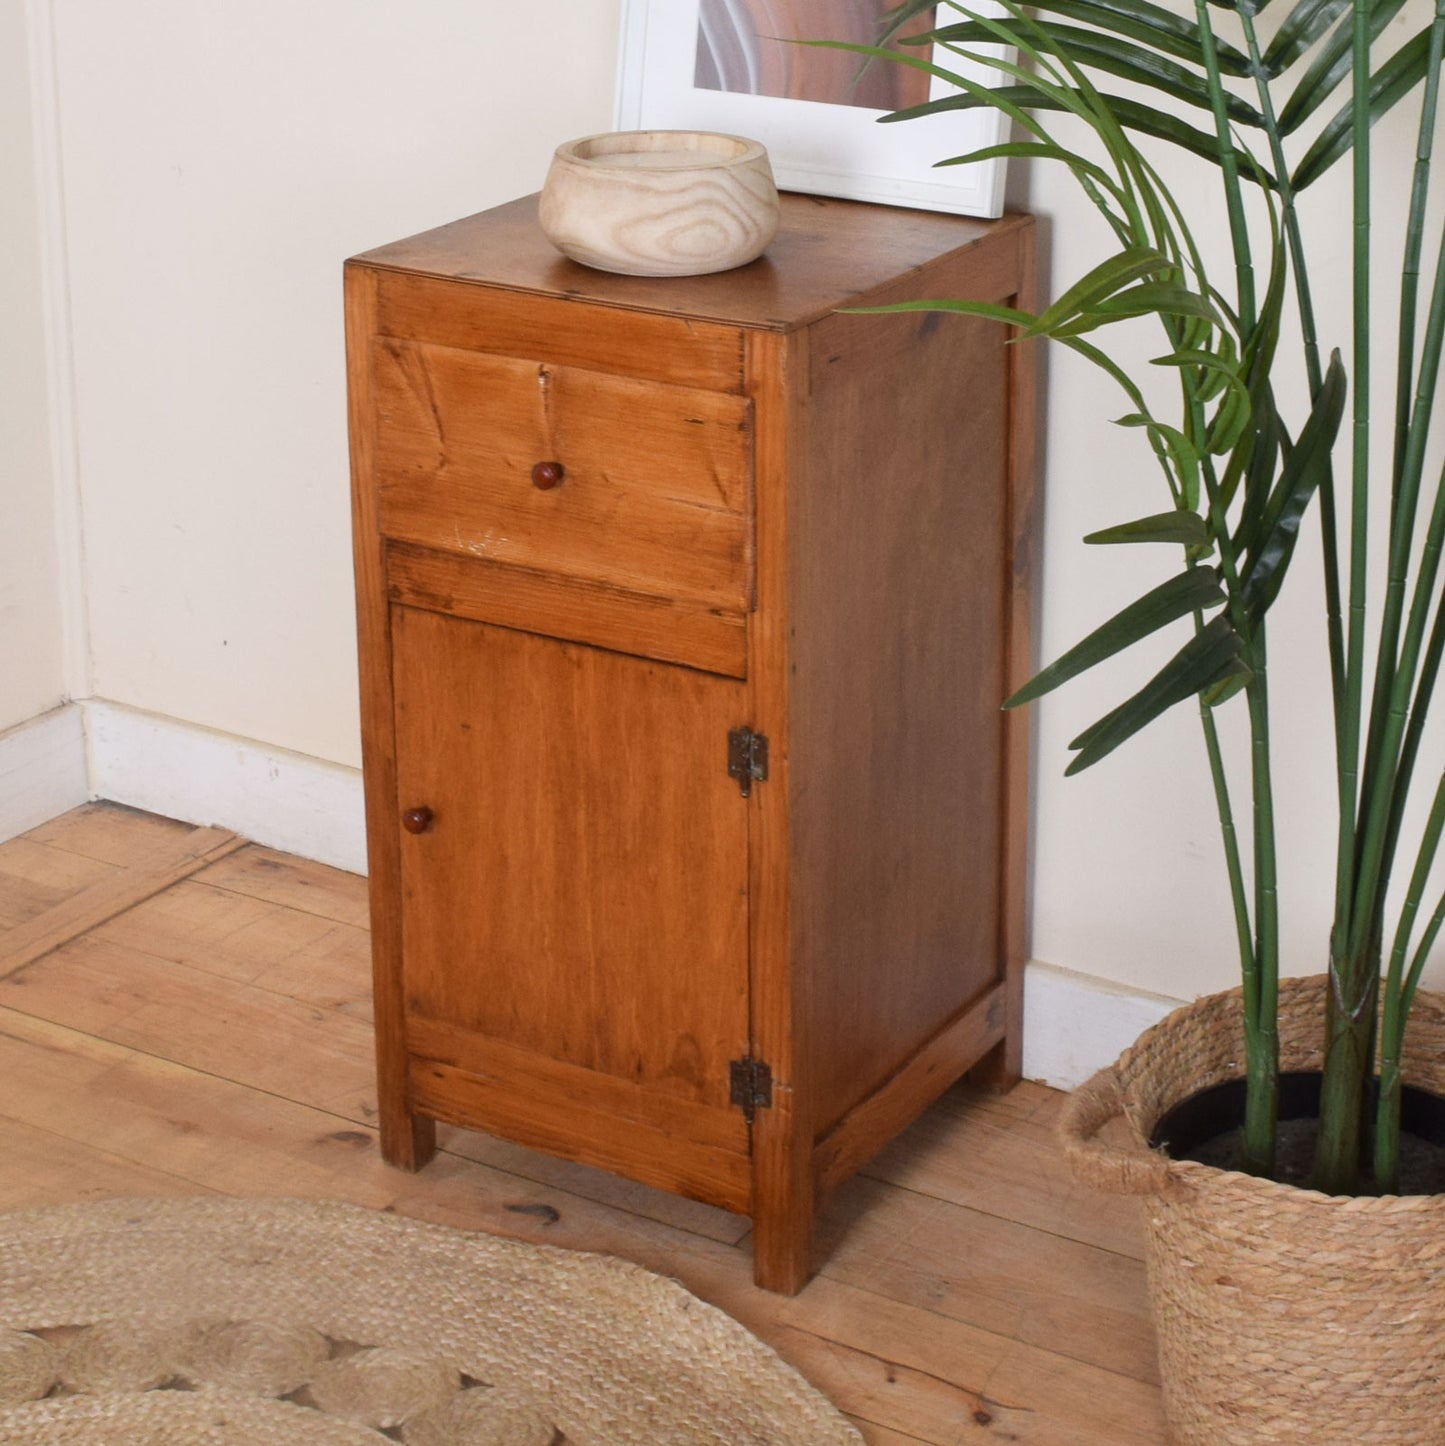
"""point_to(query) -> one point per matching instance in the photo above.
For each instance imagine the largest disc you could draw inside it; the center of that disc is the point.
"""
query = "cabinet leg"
(783, 1251)
(408, 1140)
(1002, 1067)
(783, 1200)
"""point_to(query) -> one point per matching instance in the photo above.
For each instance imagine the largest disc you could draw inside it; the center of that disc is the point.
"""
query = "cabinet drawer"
(655, 495)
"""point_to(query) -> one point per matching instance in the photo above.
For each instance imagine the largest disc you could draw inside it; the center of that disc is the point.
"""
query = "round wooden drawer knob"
(547, 475)
(417, 820)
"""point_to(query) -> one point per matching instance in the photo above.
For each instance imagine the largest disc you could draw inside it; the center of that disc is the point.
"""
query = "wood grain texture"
(695, 1151)
(655, 486)
(584, 814)
(664, 628)
(108, 832)
(226, 934)
(781, 1017)
(264, 1038)
(660, 203)
(408, 1139)
(1023, 534)
(970, 1267)
(35, 877)
(929, 1071)
(677, 351)
(820, 514)
(308, 888)
(827, 254)
(113, 895)
(571, 1086)
(971, 1290)
(997, 1154)
(896, 541)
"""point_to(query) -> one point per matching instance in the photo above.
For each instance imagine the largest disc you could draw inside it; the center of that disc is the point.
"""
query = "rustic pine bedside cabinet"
(686, 608)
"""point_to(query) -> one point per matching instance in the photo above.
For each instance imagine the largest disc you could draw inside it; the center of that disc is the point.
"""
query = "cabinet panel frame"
(578, 885)
(643, 624)
(575, 1113)
(408, 1137)
(783, 1198)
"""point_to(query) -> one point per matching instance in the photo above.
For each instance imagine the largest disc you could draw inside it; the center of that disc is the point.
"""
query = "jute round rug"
(220, 1322)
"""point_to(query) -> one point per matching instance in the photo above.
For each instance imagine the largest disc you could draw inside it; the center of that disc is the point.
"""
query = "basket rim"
(1142, 1169)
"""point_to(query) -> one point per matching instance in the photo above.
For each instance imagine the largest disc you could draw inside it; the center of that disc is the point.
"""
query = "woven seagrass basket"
(1283, 1315)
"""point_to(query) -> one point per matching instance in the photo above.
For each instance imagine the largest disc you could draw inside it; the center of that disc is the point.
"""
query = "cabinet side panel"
(897, 540)
(1004, 1067)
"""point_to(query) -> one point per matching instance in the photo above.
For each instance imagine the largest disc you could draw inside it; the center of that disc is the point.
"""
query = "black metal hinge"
(747, 758)
(752, 1086)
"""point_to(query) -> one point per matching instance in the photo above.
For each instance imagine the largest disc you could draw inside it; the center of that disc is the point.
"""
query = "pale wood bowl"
(660, 203)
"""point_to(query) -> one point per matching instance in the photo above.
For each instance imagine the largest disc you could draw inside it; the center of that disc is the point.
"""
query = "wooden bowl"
(660, 203)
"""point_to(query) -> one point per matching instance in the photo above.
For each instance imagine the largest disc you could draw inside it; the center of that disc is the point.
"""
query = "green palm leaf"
(1191, 591)
(1035, 151)
(1176, 526)
(1159, 297)
(1154, 26)
(1170, 442)
(1098, 285)
(892, 21)
(1253, 459)
(1396, 78)
(1130, 113)
(1330, 66)
(1302, 27)
(1211, 656)
(1272, 546)
(1136, 63)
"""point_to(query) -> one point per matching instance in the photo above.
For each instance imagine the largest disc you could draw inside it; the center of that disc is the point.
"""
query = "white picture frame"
(830, 150)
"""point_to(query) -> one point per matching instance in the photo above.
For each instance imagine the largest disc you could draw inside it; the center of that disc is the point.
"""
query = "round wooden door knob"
(417, 820)
(547, 475)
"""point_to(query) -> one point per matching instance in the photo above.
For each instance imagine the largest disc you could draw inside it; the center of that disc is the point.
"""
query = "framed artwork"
(735, 66)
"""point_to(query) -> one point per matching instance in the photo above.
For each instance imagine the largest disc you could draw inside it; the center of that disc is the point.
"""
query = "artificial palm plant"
(1242, 90)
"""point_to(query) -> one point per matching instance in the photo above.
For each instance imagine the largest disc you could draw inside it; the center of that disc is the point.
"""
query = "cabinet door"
(574, 915)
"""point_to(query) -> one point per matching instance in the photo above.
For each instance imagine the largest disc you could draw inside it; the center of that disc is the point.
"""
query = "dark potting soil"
(1422, 1163)
(1204, 1129)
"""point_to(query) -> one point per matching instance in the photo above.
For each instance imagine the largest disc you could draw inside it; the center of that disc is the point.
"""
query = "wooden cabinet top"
(828, 253)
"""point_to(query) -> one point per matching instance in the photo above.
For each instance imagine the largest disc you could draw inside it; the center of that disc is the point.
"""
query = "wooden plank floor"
(182, 1013)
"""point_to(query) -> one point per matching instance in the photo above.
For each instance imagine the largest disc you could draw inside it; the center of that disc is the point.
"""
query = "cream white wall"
(32, 663)
(220, 162)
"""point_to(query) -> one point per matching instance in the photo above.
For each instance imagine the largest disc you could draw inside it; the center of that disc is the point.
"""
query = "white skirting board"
(1074, 1024)
(42, 769)
(286, 800)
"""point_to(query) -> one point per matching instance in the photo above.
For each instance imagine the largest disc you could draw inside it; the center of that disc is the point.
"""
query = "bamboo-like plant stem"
(1414, 240)
(1411, 429)
(1259, 960)
(1223, 355)
(1352, 1025)
(1415, 731)
(1392, 1031)
(1354, 977)
(1238, 894)
(1262, 1062)
(1314, 370)
(1405, 655)
(1381, 774)
(1229, 165)
(1422, 956)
